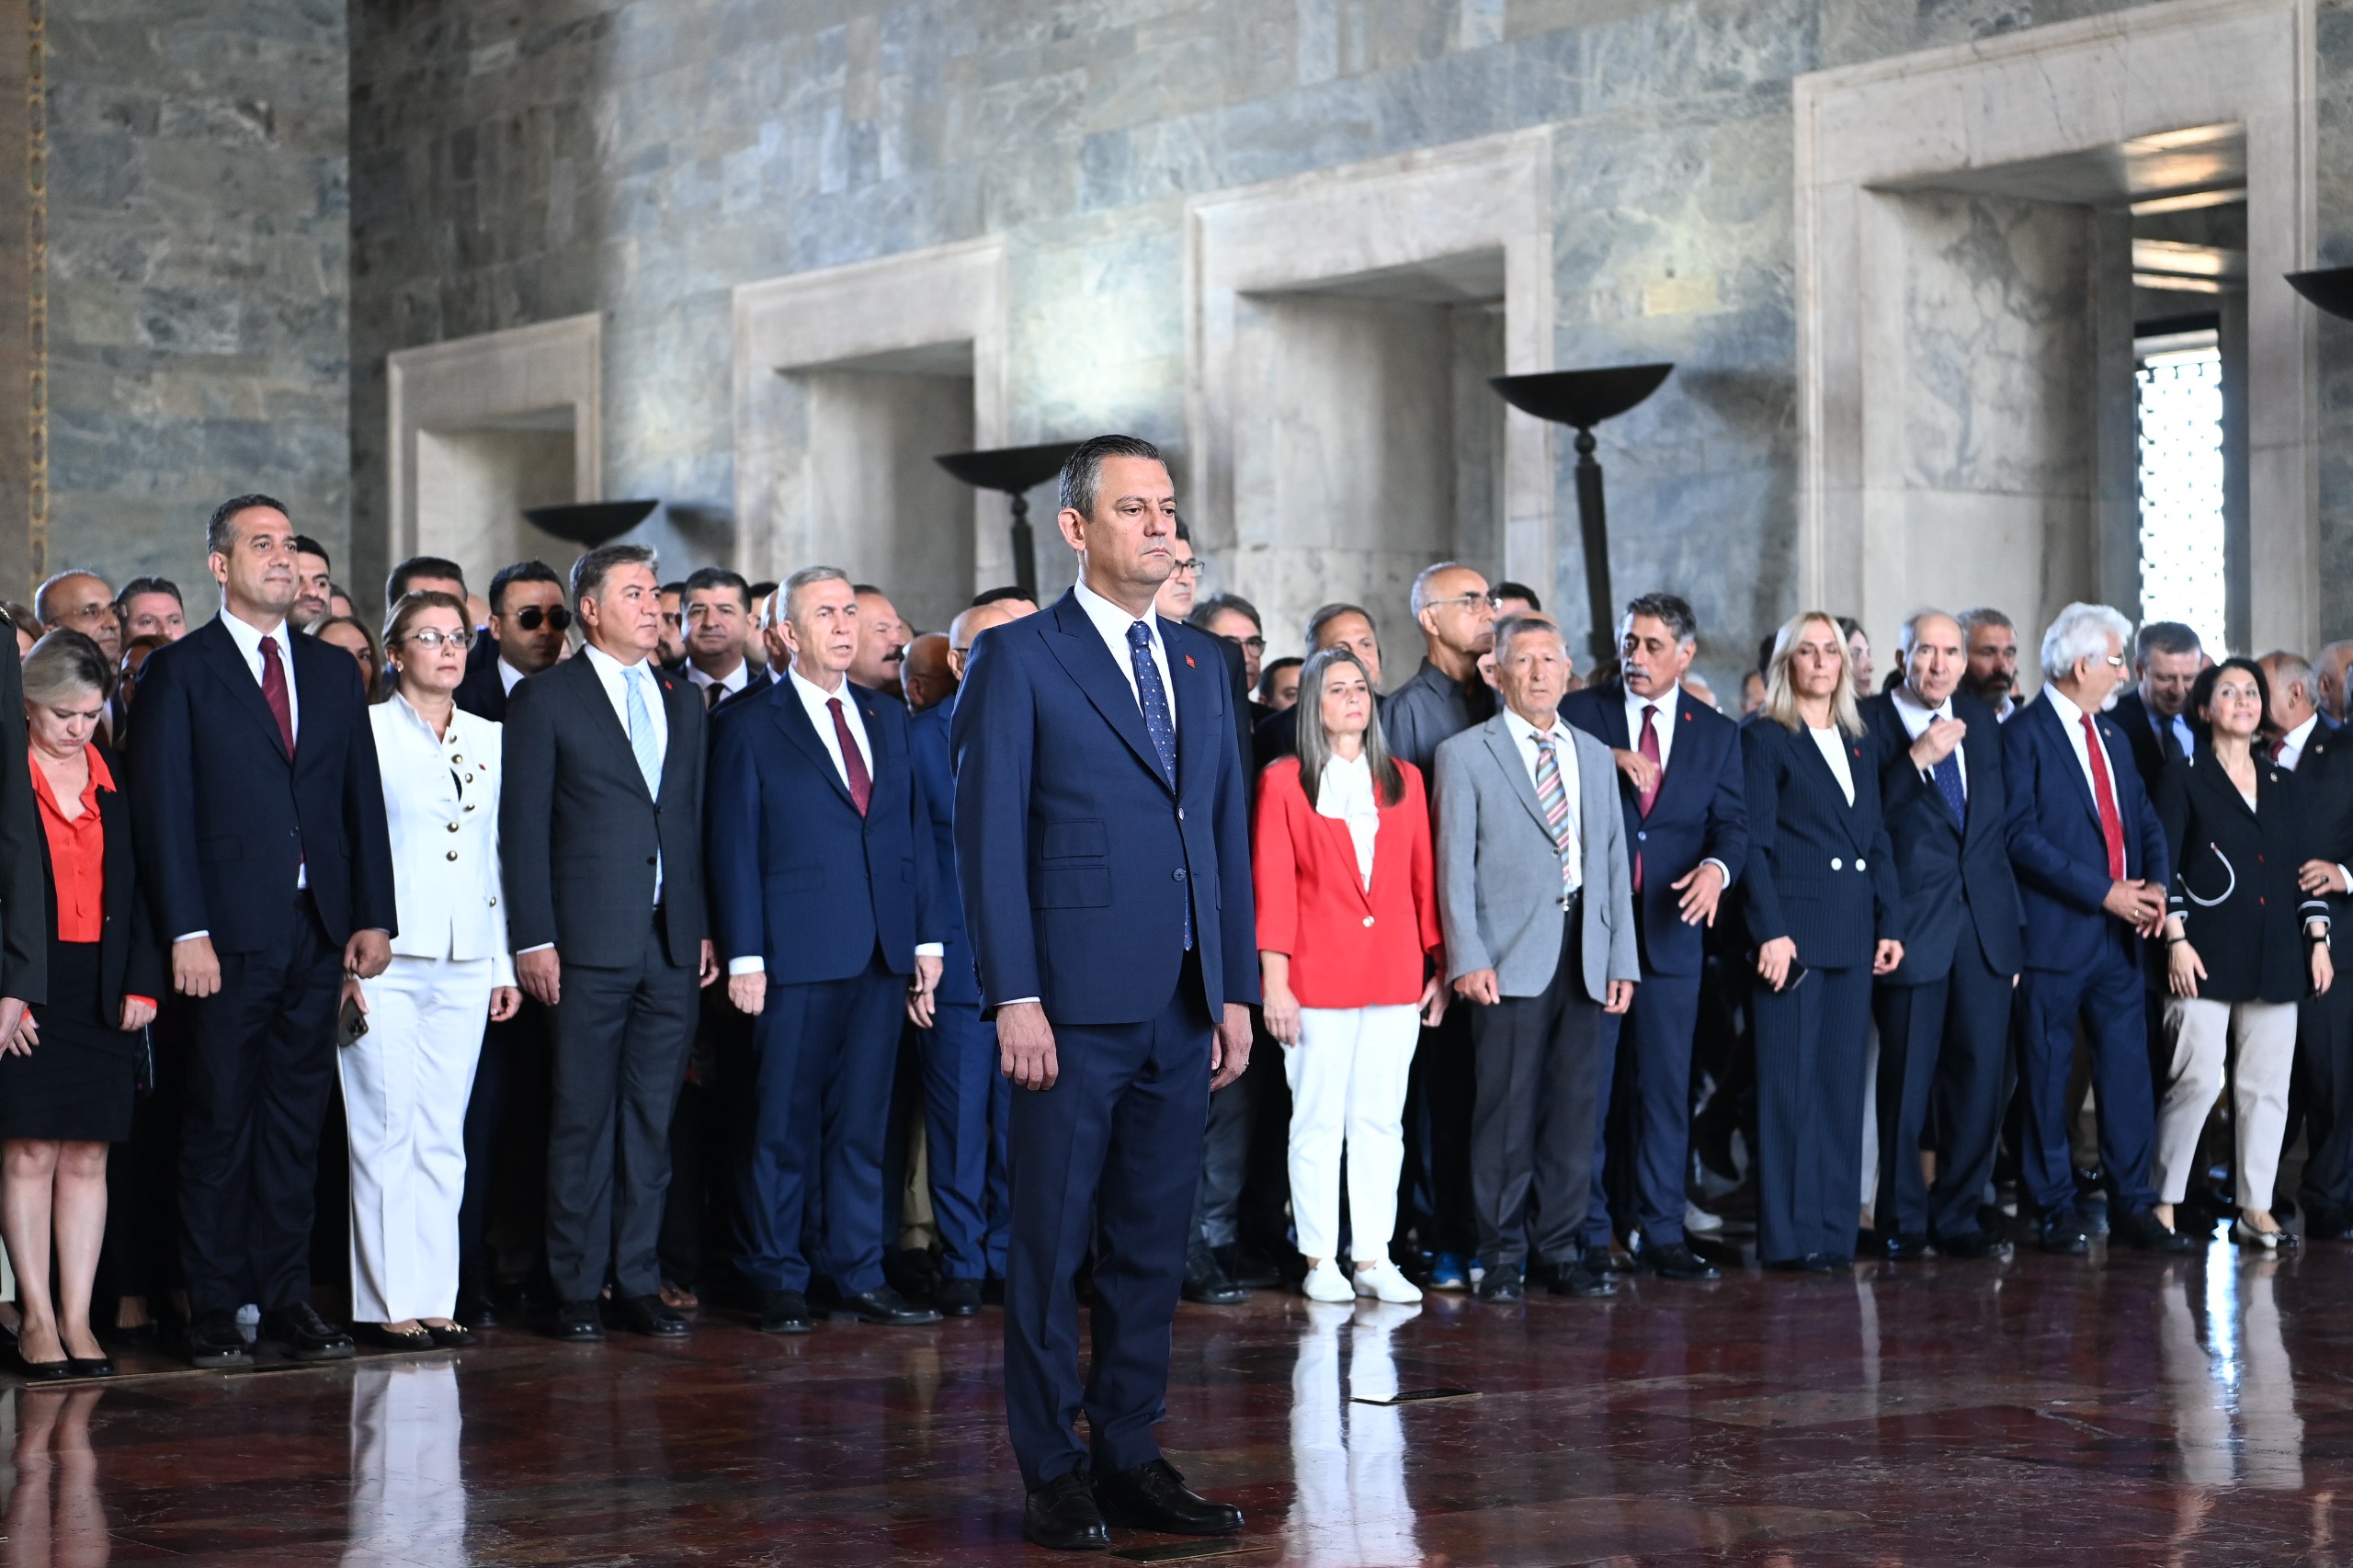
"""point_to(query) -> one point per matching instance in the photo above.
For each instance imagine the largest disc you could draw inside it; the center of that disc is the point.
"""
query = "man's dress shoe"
(306, 1336)
(577, 1321)
(884, 1307)
(1154, 1497)
(645, 1314)
(784, 1311)
(1061, 1515)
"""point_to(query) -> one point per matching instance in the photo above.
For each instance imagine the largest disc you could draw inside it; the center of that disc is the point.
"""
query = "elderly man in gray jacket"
(1535, 899)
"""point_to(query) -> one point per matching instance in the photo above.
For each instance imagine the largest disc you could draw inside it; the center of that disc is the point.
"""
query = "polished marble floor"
(2041, 1411)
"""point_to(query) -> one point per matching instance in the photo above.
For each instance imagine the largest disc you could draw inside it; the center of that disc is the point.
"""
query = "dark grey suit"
(579, 839)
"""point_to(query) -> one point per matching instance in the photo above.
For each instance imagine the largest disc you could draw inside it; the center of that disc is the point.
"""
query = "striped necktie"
(1555, 797)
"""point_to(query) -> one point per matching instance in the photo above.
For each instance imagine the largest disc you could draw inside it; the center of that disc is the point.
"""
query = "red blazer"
(1348, 946)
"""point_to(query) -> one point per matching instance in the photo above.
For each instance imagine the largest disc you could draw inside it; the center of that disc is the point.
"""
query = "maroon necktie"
(2111, 824)
(861, 787)
(1646, 798)
(273, 691)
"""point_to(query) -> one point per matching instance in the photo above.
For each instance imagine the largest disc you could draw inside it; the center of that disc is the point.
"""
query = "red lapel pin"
(1189, 663)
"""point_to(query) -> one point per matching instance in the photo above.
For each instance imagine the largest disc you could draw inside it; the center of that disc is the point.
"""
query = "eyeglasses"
(1250, 644)
(432, 640)
(530, 616)
(1190, 567)
(1461, 601)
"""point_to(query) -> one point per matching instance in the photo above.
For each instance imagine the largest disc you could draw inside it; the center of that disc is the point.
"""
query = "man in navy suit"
(1103, 847)
(717, 614)
(2154, 715)
(1944, 1012)
(1684, 790)
(2092, 870)
(822, 890)
(966, 1100)
(260, 820)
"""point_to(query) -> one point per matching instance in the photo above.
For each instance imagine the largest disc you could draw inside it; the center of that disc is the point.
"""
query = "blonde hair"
(1781, 700)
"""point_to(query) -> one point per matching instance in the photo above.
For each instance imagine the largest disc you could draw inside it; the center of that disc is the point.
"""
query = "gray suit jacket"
(1499, 876)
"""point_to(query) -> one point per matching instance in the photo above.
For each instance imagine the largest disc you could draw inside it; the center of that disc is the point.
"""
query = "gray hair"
(780, 603)
(2081, 633)
(1909, 637)
(1083, 469)
(1419, 599)
(1315, 745)
(588, 572)
(65, 663)
(2166, 637)
(2293, 669)
(1983, 615)
(1671, 610)
(1516, 626)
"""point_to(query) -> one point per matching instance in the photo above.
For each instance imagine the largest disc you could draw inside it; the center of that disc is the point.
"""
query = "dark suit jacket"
(131, 956)
(24, 947)
(483, 692)
(756, 683)
(1076, 860)
(2149, 752)
(798, 878)
(1701, 812)
(1955, 877)
(226, 819)
(578, 835)
(2325, 779)
(2054, 835)
(935, 761)
(2234, 879)
(1819, 871)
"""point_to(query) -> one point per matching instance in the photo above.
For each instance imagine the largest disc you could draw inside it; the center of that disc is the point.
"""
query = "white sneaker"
(1325, 1282)
(1381, 1280)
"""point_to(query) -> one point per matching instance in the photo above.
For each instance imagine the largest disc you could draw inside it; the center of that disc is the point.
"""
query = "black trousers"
(260, 1074)
(1539, 1076)
(1947, 1038)
(507, 1140)
(1442, 1092)
(620, 1037)
(1811, 1040)
(2324, 1076)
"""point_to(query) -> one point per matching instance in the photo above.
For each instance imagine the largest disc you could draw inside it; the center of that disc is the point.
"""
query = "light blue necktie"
(643, 744)
(1158, 723)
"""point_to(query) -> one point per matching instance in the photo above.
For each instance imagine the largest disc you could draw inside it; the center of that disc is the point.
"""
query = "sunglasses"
(530, 616)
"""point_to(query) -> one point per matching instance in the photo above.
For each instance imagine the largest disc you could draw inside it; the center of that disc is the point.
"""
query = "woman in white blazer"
(406, 1080)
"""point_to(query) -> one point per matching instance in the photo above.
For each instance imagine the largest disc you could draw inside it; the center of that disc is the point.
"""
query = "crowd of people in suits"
(616, 941)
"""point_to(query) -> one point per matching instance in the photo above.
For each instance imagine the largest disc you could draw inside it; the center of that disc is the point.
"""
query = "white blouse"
(1832, 744)
(1345, 794)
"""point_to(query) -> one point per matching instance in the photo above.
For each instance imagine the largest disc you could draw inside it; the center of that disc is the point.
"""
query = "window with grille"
(2180, 420)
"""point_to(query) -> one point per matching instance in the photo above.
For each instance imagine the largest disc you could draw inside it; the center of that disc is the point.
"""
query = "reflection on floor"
(2045, 1411)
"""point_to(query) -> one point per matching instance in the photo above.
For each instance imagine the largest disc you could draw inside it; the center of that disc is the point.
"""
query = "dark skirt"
(80, 1081)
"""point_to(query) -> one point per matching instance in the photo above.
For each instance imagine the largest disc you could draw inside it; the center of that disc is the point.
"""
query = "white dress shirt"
(1564, 754)
(1663, 726)
(1345, 794)
(729, 684)
(509, 677)
(816, 701)
(248, 639)
(2291, 744)
(1832, 743)
(1111, 623)
(1916, 720)
(2071, 719)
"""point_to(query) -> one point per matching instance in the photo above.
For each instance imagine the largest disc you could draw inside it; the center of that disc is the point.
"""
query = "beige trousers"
(2262, 1038)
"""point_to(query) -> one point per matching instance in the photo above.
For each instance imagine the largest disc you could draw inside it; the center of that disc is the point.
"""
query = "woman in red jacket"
(1349, 944)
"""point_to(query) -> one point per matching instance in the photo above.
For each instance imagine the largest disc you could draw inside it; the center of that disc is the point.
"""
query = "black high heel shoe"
(89, 1365)
(44, 1371)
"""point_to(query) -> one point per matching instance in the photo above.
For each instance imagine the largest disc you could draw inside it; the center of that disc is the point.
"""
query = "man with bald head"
(81, 602)
(1944, 1012)
(965, 1099)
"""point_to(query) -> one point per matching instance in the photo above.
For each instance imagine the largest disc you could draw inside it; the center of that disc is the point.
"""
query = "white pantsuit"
(2262, 1037)
(406, 1081)
(1347, 1086)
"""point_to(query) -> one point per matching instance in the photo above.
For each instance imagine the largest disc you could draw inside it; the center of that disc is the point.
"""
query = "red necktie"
(2111, 824)
(861, 787)
(1644, 799)
(273, 691)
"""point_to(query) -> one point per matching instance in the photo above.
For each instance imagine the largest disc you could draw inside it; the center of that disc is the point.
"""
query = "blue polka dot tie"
(1159, 723)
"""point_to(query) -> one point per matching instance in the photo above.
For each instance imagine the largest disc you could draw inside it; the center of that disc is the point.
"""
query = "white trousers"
(408, 1493)
(406, 1083)
(2262, 1035)
(1348, 1087)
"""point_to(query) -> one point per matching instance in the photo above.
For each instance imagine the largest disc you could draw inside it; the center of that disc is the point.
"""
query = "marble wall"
(199, 277)
(541, 158)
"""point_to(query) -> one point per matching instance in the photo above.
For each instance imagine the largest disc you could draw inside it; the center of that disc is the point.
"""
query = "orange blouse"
(77, 852)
